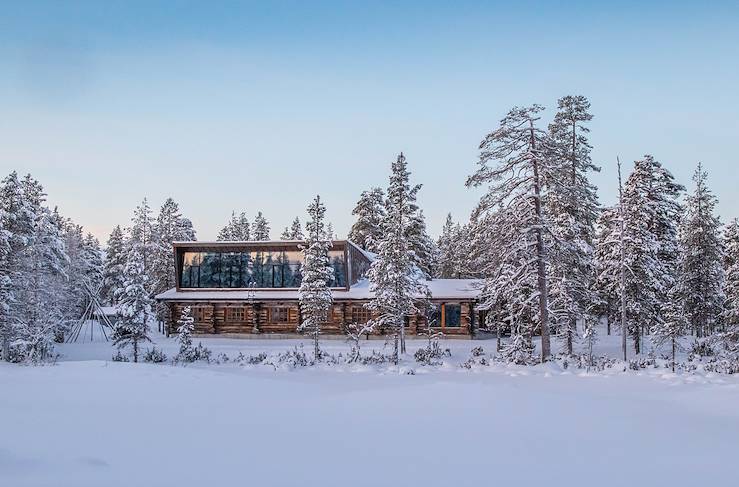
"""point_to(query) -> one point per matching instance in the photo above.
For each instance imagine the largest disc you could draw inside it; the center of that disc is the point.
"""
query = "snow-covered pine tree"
(513, 163)
(731, 269)
(370, 211)
(700, 267)
(607, 253)
(134, 308)
(454, 247)
(572, 206)
(447, 249)
(6, 283)
(425, 251)
(38, 293)
(330, 234)
(315, 291)
(293, 232)
(115, 261)
(260, 229)
(393, 276)
(142, 235)
(238, 229)
(651, 213)
(170, 227)
(671, 327)
(185, 328)
(18, 218)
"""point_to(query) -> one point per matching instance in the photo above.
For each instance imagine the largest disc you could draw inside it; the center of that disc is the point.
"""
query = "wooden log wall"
(214, 318)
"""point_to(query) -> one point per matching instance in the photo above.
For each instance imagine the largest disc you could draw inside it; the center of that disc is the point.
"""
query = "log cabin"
(251, 288)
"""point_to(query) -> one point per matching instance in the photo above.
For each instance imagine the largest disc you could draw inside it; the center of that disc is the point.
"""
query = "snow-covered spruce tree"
(607, 252)
(700, 273)
(513, 164)
(143, 236)
(572, 206)
(315, 291)
(18, 224)
(393, 276)
(115, 261)
(447, 249)
(731, 269)
(671, 327)
(260, 229)
(294, 232)
(238, 229)
(170, 227)
(425, 251)
(134, 307)
(651, 215)
(185, 328)
(454, 247)
(6, 283)
(38, 320)
(370, 211)
(510, 293)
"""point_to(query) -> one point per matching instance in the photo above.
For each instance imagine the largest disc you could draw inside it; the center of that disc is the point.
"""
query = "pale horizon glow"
(260, 106)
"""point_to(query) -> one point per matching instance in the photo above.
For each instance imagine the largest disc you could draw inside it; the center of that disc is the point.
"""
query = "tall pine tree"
(315, 291)
(514, 165)
(701, 273)
(370, 212)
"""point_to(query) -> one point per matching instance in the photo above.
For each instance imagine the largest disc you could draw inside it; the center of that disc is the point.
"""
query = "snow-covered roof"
(439, 288)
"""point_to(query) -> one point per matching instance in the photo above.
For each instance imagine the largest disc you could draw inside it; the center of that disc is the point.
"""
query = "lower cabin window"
(198, 313)
(236, 314)
(279, 314)
(452, 315)
(360, 314)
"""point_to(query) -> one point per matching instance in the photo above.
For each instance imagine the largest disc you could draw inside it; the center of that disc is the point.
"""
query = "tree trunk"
(540, 260)
(135, 350)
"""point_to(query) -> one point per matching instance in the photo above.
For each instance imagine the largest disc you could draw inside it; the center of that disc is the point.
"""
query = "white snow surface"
(86, 421)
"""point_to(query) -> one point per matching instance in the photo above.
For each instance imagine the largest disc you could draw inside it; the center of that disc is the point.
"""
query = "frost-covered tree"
(700, 273)
(607, 253)
(651, 216)
(143, 235)
(669, 329)
(370, 212)
(513, 164)
(39, 297)
(572, 206)
(454, 248)
(294, 232)
(115, 261)
(315, 291)
(134, 308)
(6, 283)
(238, 229)
(185, 328)
(731, 269)
(170, 227)
(260, 229)
(393, 276)
(425, 251)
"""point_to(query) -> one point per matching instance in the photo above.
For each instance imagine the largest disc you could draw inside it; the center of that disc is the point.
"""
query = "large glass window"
(258, 268)
(452, 315)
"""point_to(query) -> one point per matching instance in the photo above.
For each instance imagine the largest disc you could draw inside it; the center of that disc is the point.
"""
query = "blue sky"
(259, 106)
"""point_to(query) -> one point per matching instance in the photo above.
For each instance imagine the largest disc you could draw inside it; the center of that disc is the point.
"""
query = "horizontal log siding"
(212, 318)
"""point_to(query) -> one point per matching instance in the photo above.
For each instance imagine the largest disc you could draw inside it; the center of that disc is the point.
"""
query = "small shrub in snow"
(222, 358)
(242, 359)
(375, 359)
(701, 348)
(201, 353)
(518, 351)
(155, 355)
(477, 352)
(293, 358)
(119, 357)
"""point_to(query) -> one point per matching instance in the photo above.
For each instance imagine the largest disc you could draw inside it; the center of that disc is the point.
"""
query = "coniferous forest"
(556, 267)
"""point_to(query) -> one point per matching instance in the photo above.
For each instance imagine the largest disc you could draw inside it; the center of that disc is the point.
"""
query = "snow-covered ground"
(87, 421)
